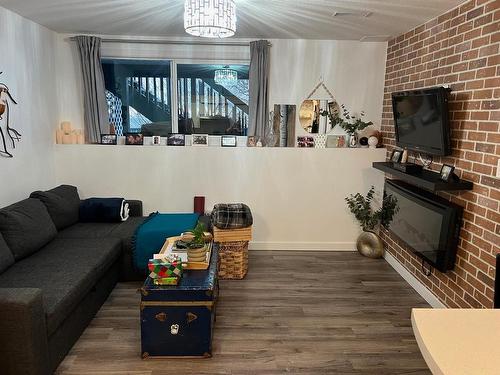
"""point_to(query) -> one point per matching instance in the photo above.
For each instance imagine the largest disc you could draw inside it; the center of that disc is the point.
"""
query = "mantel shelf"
(425, 179)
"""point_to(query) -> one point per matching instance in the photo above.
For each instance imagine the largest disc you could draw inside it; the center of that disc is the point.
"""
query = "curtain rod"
(174, 42)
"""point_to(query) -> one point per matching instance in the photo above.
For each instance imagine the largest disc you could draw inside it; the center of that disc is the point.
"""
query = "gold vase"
(370, 245)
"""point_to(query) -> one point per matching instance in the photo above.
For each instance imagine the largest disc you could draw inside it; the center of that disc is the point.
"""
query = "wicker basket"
(233, 260)
(232, 235)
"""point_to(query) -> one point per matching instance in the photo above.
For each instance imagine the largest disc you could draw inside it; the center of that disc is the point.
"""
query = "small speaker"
(496, 300)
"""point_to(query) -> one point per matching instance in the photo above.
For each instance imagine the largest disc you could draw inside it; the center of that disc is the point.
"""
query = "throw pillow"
(62, 203)
(26, 227)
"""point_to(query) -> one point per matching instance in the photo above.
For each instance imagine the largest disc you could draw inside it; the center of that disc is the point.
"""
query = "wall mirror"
(313, 113)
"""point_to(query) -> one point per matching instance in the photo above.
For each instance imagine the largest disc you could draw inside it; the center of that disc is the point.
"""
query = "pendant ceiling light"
(226, 76)
(210, 18)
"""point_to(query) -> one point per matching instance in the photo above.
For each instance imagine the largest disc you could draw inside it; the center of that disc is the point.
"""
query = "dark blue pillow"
(101, 210)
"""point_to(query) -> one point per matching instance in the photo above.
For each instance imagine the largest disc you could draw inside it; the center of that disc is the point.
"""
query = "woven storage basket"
(232, 235)
(233, 260)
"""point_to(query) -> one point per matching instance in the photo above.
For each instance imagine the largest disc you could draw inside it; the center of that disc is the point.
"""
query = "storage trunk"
(178, 321)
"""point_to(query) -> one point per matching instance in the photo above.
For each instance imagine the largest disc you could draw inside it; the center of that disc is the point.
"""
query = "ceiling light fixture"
(226, 76)
(210, 18)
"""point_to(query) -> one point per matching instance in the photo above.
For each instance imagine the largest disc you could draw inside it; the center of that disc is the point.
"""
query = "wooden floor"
(296, 312)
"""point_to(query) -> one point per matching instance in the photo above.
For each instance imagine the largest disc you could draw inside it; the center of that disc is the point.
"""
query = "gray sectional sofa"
(55, 273)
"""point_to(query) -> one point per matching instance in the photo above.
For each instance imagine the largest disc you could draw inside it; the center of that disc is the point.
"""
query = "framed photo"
(396, 156)
(200, 139)
(156, 140)
(336, 141)
(447, 172)
(134, 139)
(305, 141)
(109, 139)
(252, 141)
(228, 141)
(175, 139)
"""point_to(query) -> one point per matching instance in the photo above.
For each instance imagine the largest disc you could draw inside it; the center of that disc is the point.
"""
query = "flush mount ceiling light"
(210, 18)
(226, 76)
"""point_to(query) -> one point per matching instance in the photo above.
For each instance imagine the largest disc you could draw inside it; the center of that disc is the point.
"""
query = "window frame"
(173, 76)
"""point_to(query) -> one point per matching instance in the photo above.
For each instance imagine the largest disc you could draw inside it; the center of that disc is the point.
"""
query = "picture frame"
(336, 141)
(396, 156)
(176, 139)
(228, 141)
(252, 141)
(156, 140)
(134, 139)
(109, 139)
(305, 141)
(200, 140)
(446, 174)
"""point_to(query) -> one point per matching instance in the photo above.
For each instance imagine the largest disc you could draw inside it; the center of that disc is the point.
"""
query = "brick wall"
(459, 48)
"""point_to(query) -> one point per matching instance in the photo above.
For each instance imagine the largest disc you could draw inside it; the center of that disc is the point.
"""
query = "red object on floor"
(199, 205)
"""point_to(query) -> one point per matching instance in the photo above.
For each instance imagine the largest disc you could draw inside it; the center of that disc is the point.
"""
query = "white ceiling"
(305, 19)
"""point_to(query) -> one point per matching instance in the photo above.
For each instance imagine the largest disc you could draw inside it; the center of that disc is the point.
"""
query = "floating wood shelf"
(425, 178)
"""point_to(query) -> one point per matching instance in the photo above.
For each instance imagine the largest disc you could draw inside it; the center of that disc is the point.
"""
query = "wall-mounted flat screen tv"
(421, 120)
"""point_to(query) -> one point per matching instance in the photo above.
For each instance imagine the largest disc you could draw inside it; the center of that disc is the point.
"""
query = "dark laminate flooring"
(296, 312)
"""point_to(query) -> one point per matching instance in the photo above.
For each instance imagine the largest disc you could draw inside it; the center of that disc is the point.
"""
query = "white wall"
(27, 59)
(352, 71)
(297, 195)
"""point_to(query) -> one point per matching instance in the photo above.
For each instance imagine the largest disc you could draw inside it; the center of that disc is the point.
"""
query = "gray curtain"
(95, 106)
(259, 87)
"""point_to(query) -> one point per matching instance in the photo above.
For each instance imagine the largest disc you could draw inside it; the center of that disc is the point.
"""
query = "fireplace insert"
(428, 224)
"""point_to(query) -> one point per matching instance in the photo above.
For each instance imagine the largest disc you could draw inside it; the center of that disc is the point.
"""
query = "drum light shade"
(210, 18)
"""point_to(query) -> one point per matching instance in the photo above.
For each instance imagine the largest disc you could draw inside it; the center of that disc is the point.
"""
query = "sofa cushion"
(122, 231)
(26, 226)
(65, 270)
(6, 257)
(62, 202)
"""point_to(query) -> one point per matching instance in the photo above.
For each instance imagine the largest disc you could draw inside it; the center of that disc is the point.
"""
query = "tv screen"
(421, 120)
(428, 224)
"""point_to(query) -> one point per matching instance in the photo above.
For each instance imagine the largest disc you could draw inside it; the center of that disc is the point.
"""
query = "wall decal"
(13, 134)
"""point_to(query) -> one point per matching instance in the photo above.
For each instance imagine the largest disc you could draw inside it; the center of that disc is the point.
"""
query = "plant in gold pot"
(197, 248)
(369, 243)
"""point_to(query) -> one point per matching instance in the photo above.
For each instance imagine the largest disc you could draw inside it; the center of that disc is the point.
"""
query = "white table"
(459, 341)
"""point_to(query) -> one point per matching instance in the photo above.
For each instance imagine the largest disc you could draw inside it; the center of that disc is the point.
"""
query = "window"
(209, 107)
(139, 95)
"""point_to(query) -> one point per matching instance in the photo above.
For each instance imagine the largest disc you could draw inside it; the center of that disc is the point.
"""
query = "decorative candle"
(59, 136)
(66, 127)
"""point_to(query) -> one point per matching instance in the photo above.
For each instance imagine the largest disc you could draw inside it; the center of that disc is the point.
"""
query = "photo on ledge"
(228, 141)
(305, 142)
(200, 139)
(108, 139)
(396, 156)
(134, 139)
(335, 141)
(176, 139)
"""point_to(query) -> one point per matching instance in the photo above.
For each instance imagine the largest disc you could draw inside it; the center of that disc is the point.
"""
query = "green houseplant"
(369, 242)
(350, 123)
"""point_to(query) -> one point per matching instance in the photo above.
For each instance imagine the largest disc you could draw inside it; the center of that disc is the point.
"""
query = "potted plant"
(353, 125)
(196, 247)
(369, 243)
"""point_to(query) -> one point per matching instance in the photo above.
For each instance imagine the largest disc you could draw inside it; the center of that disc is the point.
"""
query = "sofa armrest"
(23, 332)
(135, 207)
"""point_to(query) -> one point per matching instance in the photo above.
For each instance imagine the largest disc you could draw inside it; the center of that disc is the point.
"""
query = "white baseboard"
(414, 282)
(303, 246)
